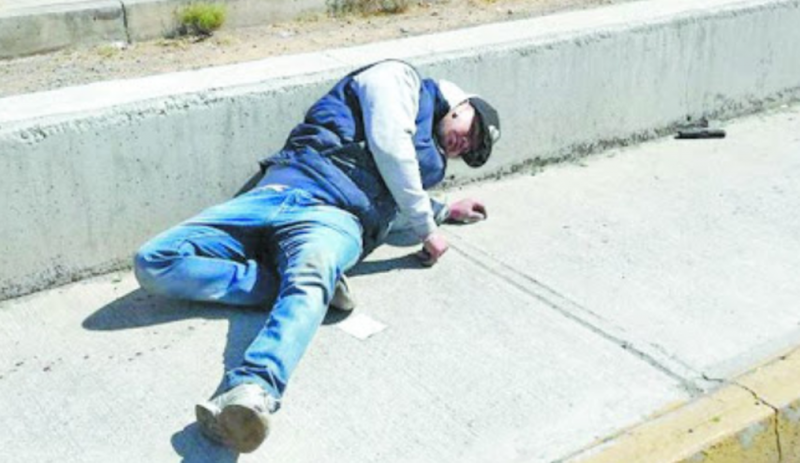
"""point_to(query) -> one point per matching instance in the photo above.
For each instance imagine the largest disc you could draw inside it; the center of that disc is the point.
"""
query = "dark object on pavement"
(700, 132)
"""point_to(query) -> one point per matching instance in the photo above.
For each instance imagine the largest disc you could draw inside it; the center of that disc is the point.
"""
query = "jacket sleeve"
(389, 97)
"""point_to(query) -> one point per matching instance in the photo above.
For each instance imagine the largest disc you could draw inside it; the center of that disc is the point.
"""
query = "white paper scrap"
(361, 326)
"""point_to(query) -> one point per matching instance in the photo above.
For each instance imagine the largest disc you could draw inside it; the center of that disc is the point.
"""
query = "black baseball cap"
(489, 123)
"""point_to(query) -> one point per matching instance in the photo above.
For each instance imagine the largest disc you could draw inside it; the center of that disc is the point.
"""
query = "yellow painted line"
(756, 419)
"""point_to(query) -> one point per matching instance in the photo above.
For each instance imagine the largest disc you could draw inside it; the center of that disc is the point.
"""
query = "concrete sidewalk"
(597, 295)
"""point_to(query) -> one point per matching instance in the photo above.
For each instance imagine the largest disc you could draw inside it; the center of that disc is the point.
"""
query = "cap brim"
(479, 157)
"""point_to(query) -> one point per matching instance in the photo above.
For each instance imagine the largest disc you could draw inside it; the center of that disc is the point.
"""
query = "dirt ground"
(309, 33)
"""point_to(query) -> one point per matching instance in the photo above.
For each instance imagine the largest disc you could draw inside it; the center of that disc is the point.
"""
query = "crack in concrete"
(761, 400)
(562, 306)
(775, 417)
(778, 436)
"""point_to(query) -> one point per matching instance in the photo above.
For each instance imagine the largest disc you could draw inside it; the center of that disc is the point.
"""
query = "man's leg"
(214, 256)
(312, 245)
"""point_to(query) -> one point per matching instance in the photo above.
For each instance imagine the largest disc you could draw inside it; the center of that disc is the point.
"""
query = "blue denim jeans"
(272, 243)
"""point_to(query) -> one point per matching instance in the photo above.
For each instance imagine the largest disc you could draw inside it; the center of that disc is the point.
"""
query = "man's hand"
(467, 211)
(434, 246)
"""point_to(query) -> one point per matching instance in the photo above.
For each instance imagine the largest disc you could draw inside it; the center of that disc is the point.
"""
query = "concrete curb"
(88, 173)
(149, 19)
(26, 31)
(753, 419)
(32, 28)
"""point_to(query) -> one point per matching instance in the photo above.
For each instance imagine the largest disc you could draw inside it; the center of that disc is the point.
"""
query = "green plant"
(107, 51)
(310, 16)
(367, 7)
(202, 18)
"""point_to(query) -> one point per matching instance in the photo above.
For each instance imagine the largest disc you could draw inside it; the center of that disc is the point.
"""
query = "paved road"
(596, 295)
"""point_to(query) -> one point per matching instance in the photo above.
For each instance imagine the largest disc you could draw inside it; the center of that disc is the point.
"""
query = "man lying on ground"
(366, 150)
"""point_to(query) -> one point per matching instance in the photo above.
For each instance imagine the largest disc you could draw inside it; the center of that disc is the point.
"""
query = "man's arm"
(389, 97)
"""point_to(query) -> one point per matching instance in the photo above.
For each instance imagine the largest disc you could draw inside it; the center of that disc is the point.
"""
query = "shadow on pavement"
(139, 309)
(194, 448)
(379, 266)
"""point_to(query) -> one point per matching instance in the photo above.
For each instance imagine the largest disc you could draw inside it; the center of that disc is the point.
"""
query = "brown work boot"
(238, 418)
(342, 297)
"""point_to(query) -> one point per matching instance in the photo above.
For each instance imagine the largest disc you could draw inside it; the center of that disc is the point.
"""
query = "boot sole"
(243, 428)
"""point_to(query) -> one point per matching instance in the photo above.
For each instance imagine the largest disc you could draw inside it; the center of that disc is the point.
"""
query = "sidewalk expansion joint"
(568, 309)
(720, 381)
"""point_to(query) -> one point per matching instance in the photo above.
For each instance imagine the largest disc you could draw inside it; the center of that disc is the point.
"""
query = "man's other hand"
(467, 211)
(434, 246)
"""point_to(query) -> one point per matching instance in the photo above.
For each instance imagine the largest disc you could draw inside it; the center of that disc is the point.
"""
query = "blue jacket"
(327, 155)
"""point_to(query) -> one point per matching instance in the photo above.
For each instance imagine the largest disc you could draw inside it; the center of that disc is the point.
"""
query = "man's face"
(459, 131)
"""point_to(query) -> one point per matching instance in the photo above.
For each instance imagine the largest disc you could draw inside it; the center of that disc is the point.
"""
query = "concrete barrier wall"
(28, 28)
(89, 173)
(148, 19)
(25, 31)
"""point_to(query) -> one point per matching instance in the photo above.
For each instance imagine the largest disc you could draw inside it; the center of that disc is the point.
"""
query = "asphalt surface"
(596, 295)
